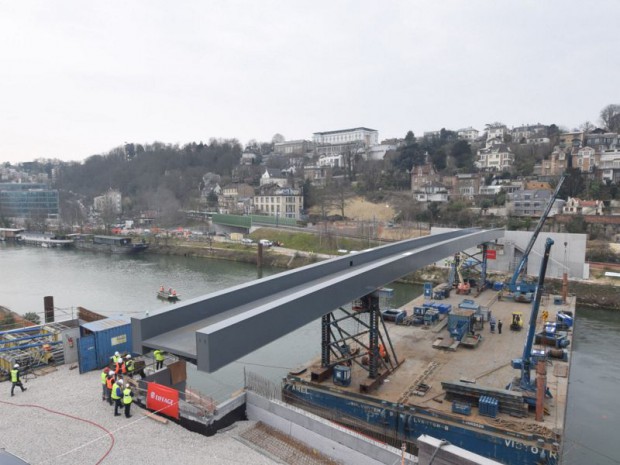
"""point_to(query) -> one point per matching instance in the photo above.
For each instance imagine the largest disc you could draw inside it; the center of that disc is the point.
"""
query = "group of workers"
(114, 389)
(492, 324)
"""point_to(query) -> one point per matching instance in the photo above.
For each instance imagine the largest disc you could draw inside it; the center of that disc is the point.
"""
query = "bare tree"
(277, 138)
(610, 117)
(108, 213)
(587, 127)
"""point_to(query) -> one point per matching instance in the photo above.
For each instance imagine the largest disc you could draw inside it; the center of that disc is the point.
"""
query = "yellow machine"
(517, 321)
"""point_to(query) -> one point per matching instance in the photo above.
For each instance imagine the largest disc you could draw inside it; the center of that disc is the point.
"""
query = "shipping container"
(100, 339)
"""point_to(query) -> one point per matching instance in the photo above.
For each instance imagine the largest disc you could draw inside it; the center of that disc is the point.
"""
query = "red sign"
(162, 399)
(491, 254)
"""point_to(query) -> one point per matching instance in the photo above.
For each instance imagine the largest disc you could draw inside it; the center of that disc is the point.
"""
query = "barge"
(434, 384)
(109, 244)
(44, 240)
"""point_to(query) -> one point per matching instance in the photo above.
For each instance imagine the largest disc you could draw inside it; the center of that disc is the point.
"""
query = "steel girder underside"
(218, 328)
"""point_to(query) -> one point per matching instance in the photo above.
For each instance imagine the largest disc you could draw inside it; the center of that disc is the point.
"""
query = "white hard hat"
(16, 365)
(120, 381)
(116, 353)
(128, 356)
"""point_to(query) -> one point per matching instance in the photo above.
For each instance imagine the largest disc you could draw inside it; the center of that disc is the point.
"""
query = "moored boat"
(109, 244)
(44, 240)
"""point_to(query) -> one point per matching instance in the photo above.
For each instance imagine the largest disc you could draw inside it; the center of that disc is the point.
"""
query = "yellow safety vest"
(159, 356)
(129, 365)
(104, 377)
(127, 396)
(114, 396)
(14, 373)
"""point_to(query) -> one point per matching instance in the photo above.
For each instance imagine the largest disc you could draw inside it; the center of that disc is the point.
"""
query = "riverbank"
(276, 257)
(595, 293)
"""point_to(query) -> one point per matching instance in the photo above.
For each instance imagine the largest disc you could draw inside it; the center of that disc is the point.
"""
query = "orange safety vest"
(382, 351)
(123, 368)
(109, 382)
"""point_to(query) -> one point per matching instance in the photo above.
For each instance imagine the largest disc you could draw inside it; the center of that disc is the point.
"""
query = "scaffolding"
(32, 347)
(358, 335)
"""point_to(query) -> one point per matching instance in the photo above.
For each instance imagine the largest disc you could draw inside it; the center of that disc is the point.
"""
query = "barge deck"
(411, 400)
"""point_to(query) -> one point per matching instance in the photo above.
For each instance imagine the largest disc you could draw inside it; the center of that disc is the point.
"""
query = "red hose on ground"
(69, 416)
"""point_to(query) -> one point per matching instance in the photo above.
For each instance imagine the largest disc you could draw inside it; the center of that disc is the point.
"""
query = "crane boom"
(531, 329)
(522, 264)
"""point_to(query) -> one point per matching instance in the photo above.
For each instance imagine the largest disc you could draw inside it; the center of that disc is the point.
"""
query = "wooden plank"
(156, 417)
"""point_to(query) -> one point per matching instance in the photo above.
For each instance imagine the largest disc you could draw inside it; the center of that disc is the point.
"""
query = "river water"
(113, 285)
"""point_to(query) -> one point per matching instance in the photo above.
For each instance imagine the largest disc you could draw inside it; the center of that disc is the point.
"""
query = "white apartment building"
(469, 134)
(283, 203)
(335, 161)
(495, 134)
(111, 199)
(496, 158)
(609, 165)
(368, 137)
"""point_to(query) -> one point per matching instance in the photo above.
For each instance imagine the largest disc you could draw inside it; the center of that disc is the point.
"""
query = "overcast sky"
(79, 78)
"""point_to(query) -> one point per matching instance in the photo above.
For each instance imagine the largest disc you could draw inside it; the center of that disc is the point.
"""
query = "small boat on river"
(170, 296)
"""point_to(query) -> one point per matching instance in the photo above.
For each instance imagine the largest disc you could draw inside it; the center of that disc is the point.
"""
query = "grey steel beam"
(218, 328)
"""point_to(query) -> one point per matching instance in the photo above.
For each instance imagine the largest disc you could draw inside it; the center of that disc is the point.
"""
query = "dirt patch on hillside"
(358, 209)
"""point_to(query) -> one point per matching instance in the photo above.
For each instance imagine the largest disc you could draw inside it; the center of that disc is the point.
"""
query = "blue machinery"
(526, 362)
(218, 328)
(522, 291)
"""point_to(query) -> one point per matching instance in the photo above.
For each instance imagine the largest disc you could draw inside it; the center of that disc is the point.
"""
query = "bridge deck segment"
(218, 328)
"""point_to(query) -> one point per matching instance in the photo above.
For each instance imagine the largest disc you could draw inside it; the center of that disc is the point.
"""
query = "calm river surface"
(113, 285)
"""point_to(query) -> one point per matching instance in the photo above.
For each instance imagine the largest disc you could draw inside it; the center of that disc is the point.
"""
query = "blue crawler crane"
(527, 361)
(521, 290)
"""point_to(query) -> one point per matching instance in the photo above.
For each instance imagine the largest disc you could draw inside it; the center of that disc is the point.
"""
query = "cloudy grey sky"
(82, 77)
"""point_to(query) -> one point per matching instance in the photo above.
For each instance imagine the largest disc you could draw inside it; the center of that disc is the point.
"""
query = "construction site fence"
(262, 386)
(275, 391)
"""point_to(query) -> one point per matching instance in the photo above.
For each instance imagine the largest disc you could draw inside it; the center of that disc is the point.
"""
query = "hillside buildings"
(110, 202)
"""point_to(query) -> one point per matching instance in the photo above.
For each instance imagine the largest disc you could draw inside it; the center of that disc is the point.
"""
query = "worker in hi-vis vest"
(15, 379)
(127, 400)
(159, 358)
(104, 384)
(117, 393)
(129, 365)
(109, 384)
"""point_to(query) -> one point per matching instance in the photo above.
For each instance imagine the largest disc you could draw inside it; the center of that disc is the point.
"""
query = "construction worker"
(109, 382)
(104, 385)
(159, 358)
(15, 379)
(117, 394)
(127, 400)
(499, 326)
(382, 352)
(129, 365)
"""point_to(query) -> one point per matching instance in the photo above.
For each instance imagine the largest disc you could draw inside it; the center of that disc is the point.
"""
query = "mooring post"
(259, 256)
(48, 307)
